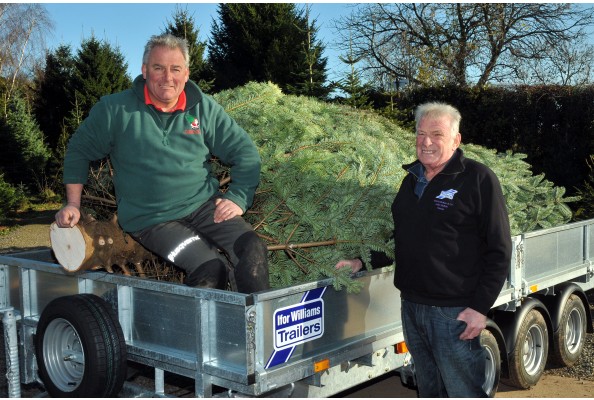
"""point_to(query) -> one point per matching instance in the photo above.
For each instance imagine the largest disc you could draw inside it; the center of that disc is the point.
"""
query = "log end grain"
(68, 245)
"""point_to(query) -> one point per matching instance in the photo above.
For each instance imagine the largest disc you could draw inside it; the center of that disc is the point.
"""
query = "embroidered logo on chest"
(194, 125)
(445, 199)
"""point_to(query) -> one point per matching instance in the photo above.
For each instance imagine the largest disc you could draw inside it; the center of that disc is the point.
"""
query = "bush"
(11, 198)
(585, 207)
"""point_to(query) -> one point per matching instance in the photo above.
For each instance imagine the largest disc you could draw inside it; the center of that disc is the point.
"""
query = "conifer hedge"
(552, 125)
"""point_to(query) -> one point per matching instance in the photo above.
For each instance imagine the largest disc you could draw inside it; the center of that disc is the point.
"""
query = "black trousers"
(204, 249)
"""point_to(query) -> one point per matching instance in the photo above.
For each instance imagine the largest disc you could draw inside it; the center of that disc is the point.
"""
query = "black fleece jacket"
(453, 245)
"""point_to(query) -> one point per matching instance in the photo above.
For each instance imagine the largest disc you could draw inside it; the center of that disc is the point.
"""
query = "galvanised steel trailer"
(76, 334)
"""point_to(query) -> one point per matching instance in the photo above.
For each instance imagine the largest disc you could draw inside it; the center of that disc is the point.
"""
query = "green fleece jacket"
(161, 160)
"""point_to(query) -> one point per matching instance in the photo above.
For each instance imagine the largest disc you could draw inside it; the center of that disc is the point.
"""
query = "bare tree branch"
(464, 42)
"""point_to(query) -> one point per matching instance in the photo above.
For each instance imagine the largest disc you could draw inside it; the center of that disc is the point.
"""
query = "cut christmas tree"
(329, 176)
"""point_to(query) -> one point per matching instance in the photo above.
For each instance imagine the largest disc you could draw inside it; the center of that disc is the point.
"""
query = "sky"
(130, 25)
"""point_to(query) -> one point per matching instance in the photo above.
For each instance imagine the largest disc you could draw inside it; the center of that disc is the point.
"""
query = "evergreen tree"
(352, 85)
(327, 185)
(260, 42)
(99, 69)
(183, 26)
(585, 209)
(311, 78)
(24, 153)
(53, 95)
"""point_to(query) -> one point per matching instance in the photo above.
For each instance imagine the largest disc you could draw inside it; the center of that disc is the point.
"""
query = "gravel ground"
(584, 368)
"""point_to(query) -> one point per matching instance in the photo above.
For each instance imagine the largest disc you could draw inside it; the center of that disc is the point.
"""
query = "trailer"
(78, 334)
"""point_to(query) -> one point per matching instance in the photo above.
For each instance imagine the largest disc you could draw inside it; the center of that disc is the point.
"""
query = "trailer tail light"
(533, 288)
(401, 348)
(322, 365)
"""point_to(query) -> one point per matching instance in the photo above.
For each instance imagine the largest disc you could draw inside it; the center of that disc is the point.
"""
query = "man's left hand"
(226, 209)
(475, 323)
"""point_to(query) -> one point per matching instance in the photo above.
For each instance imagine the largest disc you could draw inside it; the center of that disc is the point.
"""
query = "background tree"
(352, 85)
(99, 69)
(53, 95)
(24, 153)
(568, 64)
(311, 78)
(183, 26)
(259, 42)
(23, 27)
(463, 42)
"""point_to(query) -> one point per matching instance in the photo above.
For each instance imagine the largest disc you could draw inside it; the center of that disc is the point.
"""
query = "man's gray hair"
(437, 110)
(167, 40)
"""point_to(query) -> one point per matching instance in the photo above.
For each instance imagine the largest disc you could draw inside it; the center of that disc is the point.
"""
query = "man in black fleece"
(453, 252)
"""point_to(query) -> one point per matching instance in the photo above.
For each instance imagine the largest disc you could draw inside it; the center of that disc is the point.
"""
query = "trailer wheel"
(529, 357)
(569, 338)
(493, 363)
(80, 348)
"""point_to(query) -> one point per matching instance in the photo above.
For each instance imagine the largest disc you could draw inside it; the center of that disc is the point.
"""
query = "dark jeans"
(201, 248)
(445, 366)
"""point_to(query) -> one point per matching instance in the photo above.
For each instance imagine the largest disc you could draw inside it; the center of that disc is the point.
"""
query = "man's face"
(435, 142)
(166, 75)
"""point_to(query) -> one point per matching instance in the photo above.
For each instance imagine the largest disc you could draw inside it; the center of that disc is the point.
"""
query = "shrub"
(585, 207)
(11, 198)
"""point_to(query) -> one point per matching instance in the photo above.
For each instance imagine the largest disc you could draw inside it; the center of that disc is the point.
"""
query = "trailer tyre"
(569, 338)
(529, 357)
(80, 348)
(493, 363)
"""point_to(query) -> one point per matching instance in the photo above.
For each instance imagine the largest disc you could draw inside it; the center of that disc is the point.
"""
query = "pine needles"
(330, 174)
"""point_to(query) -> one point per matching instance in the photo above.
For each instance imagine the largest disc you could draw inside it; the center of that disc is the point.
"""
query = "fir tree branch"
(290, 246)
(323, 144)
(301, 267)
(257, 225)
(364, 193)
(293, 231)
(251, 100)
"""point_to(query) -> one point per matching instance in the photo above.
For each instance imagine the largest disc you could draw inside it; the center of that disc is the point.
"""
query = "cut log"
(72, 247)
(75, 249)
(93, 244)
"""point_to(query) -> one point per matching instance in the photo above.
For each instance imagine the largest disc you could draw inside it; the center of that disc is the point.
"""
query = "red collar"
(181, 101)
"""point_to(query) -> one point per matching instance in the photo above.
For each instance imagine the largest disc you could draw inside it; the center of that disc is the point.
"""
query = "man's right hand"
(355, 264)
(68, 216)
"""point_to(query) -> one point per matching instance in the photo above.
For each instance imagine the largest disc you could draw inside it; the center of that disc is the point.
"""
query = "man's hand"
(475, 323)
(68, 216)
(355, 264)
(226, 209)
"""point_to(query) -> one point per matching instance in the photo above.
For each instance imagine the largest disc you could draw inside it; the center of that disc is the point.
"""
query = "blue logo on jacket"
(445, 199)
(447, 194)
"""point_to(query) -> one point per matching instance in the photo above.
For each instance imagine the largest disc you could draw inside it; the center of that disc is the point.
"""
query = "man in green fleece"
(160, 136)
